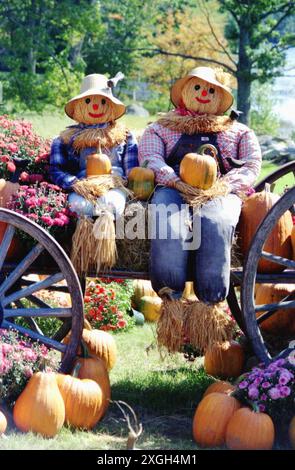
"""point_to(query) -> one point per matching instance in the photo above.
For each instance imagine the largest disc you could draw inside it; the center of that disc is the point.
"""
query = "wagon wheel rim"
(8, 296)
(250, 272)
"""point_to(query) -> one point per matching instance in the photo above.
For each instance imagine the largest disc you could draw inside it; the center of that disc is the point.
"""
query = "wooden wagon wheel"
(273, 180)
(249, 309)
(16, 292)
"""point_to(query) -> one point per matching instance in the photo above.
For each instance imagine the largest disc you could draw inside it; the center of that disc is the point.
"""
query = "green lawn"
(163, 392)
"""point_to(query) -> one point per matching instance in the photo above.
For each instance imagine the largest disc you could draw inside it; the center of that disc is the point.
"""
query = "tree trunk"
(244, 75)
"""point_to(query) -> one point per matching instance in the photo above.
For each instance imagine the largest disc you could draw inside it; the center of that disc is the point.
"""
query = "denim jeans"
(206, 261)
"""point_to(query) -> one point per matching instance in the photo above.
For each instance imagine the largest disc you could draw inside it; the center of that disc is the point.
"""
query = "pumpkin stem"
(145, 164)
(99, 147)
(76, 370)
(85, 353)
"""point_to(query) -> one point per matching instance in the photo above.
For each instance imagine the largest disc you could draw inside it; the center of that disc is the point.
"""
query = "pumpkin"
(98, 164)
(100, 344)
(292, 432)
(83, 401)
(40, 407)
(220, 387)
(150, 307)
(282, 322)
(94, 368)
(225, 360)
(199, 171)
(278, 243)
(211, 419)
(3, 423)
(248, 430)
(141, 288)
(141, 181)
(293, 241)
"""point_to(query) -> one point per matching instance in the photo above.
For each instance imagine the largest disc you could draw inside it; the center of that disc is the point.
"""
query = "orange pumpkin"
(292, 432)
(40, 407)
(278, 243)
(3, 423)
(199, 171)
(94, 368)
(211, 419)
(220, 387)
(141, 181)
(225, 360)
(98, 164)
(248, 430)
(282, 322)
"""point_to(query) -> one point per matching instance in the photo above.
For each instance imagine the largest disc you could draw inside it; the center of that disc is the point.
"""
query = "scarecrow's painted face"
(201, 96)
(93, 109)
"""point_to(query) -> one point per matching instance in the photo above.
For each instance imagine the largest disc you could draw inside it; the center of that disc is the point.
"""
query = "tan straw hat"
(97, 84)
(209, 75)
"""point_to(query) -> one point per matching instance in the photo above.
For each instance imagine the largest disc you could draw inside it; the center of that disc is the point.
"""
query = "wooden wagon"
(17, 291)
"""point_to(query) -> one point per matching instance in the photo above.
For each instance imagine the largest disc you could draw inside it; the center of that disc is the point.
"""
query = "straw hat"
(209, 75)
(97, 84)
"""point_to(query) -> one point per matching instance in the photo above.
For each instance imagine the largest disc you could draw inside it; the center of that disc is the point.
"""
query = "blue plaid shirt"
(66, 165)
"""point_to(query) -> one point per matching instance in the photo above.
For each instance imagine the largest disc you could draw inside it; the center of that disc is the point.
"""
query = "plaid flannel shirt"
(65, 163)
(238, 141)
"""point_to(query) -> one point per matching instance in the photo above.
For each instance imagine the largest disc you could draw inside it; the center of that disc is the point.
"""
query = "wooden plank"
(35, 287)
(5, 244)
(21, 268)
(38, 312)
(51, 343)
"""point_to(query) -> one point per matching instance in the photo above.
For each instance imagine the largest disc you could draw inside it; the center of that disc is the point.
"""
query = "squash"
(225, 360)
(141, 288)
(150, 307)
(199, 171)
(94, 368)
(248, 430)
(293, 241)
(98, 164)
(83, 401)
(211, 419)
(282, 322)
(40, 407)
(3, 423)
(278, 243)
(141, 181)
(292, 432)
(220, 387)
(99, 344)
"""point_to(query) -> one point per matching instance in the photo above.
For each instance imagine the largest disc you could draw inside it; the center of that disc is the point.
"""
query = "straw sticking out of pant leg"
(170, 327)
(206, 325)
(82, 246)
(105, 250)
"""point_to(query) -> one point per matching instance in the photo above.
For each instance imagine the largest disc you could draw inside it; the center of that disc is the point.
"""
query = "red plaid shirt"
(238, 141)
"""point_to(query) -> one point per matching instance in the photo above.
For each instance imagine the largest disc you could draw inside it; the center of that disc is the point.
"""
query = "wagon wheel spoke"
(5, 244)
(38, 312)
(63, 330)
(264, 316)
(288, 263)
(34, 287)
(51, 343)
(37, 301)
(21, 268)
(30, 321)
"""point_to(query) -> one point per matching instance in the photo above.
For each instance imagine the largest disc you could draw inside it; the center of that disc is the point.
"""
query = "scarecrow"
(200, 219)
(95, 180)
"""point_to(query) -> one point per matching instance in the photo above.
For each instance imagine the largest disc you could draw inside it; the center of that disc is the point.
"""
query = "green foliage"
(262, 117)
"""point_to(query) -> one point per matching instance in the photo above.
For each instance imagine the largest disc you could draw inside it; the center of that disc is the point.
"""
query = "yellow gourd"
(150, 307)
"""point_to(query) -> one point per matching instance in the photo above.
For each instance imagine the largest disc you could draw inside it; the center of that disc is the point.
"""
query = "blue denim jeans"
(196, 246)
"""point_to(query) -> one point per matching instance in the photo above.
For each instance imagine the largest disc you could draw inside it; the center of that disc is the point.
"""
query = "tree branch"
(268, 34)
(278, 10)
(233, 13)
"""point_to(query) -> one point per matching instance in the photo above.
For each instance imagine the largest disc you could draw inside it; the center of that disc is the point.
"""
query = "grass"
(164, 393)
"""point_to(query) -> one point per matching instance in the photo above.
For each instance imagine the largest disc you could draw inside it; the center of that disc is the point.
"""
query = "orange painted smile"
(202, 101)
(96, 115)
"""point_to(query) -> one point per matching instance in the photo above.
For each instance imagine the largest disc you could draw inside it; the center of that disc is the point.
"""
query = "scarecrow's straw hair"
(206, 325)
(94, 187)
(198, 197)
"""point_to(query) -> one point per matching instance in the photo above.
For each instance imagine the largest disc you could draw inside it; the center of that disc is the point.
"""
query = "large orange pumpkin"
(83, 401)
(141, 181)
(199, 171)
(40, 407)
(248, 430)
(292, 432)
(282, 322)
(211, 419)
(220, 387)
(225, 360)
(3, 423)
(98, 164)
(94, 368)
(278, 243)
